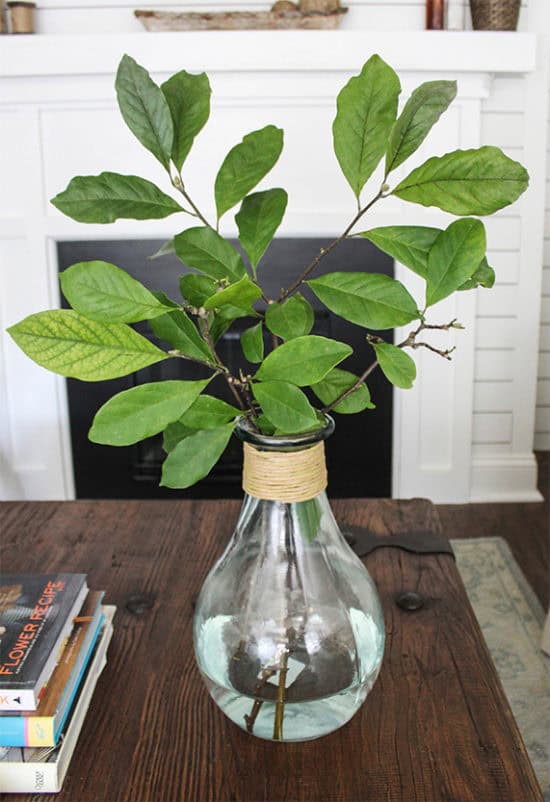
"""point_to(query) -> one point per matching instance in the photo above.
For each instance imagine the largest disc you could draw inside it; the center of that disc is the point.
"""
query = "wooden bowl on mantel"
(237, 20)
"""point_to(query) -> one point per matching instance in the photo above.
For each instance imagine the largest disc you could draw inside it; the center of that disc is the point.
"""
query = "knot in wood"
(410, 601)
(139, 603)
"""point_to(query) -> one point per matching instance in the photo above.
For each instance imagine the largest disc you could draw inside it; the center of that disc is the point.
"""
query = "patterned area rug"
(511, 619)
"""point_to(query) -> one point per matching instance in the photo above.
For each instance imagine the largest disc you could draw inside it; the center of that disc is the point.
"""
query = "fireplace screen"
(358, 455)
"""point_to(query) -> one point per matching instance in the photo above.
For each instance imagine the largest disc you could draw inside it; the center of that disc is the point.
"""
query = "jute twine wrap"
(284, 476)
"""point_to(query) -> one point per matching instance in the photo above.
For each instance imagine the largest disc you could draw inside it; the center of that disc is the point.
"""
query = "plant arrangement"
(95, 340)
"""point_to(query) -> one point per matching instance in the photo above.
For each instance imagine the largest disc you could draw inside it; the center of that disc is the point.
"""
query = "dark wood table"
(436, 726)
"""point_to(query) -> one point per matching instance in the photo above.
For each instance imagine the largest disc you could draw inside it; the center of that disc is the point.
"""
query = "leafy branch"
(94, 340)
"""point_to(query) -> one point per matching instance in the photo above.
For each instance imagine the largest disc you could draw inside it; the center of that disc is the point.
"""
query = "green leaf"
(483, 277)
(367, 108)
(108, 197)
(196, 289)
(409, 245)
(396, 365)
(224, 317)
(204, 249)
(265, 425)
(245, 165)
(303, 361)
(252, 343)
(478, 181)
(242, 294)
(306, 516)
(195, 456)
(454, 258)
(103, 292)
(368, 299)
(290, 319)
(165, 300)
(167, 248)
(188, 98)
(180, 332)
(420, 113)
(259, 218)
(337, 382)
(285, 405)
(208, 412)
(142, 411)
(173, 433)
(70, 344)
(144, 109)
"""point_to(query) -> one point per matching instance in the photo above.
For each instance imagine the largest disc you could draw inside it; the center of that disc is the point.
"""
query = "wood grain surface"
(436, 726)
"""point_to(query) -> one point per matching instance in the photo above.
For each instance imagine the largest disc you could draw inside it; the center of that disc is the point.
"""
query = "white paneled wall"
(542, 422)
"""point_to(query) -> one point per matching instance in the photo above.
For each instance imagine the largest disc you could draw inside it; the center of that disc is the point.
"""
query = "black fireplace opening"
(358, 454)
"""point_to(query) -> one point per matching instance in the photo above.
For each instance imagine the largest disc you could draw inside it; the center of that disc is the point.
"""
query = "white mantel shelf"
(231, 51)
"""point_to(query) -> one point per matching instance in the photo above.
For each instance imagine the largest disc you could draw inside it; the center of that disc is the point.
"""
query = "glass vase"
(288, 627)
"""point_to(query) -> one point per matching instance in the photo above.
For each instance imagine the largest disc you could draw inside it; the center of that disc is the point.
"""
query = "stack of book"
(54, 634)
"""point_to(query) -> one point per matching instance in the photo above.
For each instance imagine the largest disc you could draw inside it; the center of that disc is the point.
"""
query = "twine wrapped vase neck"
(289, 476)
(289, 468)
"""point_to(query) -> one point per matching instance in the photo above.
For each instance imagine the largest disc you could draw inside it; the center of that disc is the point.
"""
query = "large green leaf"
(454, 258)
(478, 181)
(303, 361)
(145, 109)
(252, 343)
(285, 405)
(208, 412)
(292, 318)
(224, 317)
(409, 245)
(242, 294)
(173, 433)
(368, 299)
(108, 197)
(204, 249)
(195, 456)
(483, 277)
(142, 411)
(180, 332)
(188, 98)
(196, 289)
(165, 249)
(367, 108)
(337, 382)
(420, 113)
(259, 218)
(245, 165)
(70, 344)
(396, 365)
(104, 292)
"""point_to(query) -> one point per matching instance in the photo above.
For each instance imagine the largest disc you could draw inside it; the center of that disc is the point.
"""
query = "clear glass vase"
(288, 628)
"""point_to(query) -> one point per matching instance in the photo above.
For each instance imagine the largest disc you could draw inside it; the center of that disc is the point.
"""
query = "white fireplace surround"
(58, 118)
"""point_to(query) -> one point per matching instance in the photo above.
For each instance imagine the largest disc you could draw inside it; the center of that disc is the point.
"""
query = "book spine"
(15, 701)
(30, 731)
(21, 778)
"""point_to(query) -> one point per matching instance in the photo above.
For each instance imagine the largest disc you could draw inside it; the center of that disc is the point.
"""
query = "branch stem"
(324, 251)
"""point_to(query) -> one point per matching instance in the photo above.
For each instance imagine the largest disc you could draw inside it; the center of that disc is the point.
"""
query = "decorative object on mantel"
(435, 15)
(284, 15)
(303, 663)
(454, 15)
(495, 15)
(21, 16)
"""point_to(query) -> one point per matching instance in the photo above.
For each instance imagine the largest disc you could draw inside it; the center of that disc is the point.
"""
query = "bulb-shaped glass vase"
(288, 628)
